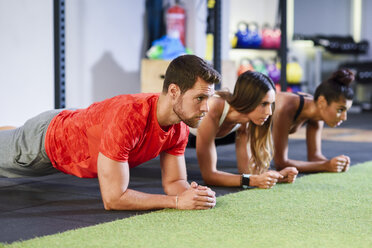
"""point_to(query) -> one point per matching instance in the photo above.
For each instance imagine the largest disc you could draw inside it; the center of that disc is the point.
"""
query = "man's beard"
(191, 122)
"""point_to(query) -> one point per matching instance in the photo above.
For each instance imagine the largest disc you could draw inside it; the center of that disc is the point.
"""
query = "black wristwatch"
(245, 181)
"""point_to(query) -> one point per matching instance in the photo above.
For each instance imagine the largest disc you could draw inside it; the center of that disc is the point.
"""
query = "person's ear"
(322, 102)
(174, 91)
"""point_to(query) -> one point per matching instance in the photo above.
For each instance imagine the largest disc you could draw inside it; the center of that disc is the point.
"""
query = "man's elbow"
(109, 204)
(168, 190)
(175, 187)
(114, 203)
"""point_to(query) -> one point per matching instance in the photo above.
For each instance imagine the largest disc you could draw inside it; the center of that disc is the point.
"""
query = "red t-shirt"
(123, 128)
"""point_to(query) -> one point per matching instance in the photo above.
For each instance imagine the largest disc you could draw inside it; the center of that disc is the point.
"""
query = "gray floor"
(33, 207)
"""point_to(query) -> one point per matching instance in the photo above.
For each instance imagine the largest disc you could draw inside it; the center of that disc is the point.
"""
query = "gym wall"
(367, 24)
(26, 59)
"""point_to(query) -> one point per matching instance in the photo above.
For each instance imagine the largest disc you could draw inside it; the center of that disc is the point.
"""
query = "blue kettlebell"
(242, 35)
(254, 36)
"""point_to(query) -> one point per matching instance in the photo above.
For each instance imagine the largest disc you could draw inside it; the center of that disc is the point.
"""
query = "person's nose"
(204, 106)
(344, 116)
(268, 110)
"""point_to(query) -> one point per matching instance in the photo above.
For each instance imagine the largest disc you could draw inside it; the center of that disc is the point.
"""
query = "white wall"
(26, 59)
(105, 41)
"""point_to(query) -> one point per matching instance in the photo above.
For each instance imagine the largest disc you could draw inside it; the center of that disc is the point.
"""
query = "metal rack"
(59, 54)
(283, 44)
(283, 48)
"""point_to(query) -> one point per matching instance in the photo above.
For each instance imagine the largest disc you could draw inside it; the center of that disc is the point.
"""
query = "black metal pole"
(59, 54)
(217, 38)
(283, 45)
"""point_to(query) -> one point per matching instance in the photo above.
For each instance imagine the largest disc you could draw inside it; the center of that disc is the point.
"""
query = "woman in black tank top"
(329, 105)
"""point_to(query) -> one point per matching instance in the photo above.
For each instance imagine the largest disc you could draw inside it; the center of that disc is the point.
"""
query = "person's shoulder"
(286, 102)
(136, 98)
(136, 101)
(180, 130)
(216, 106)
(130, 107)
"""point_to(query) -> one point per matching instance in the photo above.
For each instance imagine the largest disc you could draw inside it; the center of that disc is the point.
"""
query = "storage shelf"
(258, 49)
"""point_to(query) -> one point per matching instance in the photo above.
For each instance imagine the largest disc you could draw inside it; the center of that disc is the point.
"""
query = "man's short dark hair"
(184, 71)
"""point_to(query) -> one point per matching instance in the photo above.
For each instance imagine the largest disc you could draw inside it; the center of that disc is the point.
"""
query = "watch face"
(245, 179)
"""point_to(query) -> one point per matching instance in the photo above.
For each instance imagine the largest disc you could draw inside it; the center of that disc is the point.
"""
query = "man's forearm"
(135, 200)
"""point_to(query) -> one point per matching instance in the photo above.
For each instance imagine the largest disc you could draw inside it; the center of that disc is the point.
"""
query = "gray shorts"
(22, 150)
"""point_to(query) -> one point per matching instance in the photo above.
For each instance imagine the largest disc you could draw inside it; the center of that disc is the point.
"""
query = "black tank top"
(300, 107)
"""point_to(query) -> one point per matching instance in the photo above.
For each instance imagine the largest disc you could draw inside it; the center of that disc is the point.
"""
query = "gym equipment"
(273, 71)
(259, 65)
(245, 65)
(254, 36)
(362, 71)
(270, 37)
(294, 88)
(279, 88)
(294, 71)
(234, 41)
(210, 31)
(242, 35)
(248, 35)
(337, 44)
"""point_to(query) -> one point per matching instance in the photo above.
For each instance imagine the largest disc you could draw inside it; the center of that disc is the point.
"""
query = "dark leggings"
(228, 139)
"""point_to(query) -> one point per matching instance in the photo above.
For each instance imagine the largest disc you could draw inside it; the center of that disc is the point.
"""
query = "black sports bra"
(300, 107)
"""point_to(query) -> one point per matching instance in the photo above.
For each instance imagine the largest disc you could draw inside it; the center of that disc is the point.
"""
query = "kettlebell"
(270, 37)
(295, 88)
(276, 37)
(260, 65)
(273, 71)
(234, 41)
(242, 35)
(294, 71)
(245, 65)
(254, 36)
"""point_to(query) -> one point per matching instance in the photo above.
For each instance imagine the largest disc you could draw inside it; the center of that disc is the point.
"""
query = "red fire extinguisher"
(176, 22)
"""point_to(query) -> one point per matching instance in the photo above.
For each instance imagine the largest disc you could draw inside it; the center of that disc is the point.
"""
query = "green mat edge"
(299, 182)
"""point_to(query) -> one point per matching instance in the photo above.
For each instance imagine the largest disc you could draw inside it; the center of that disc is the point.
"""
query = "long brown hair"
(250, 88)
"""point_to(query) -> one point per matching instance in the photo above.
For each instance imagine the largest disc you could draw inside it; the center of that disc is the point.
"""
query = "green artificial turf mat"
(319, 210)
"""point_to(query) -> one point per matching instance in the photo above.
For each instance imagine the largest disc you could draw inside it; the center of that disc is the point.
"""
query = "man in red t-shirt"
(109, 137)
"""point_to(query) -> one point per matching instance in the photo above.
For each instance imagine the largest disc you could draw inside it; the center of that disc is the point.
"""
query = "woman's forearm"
(302, 166)
(221, 178)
